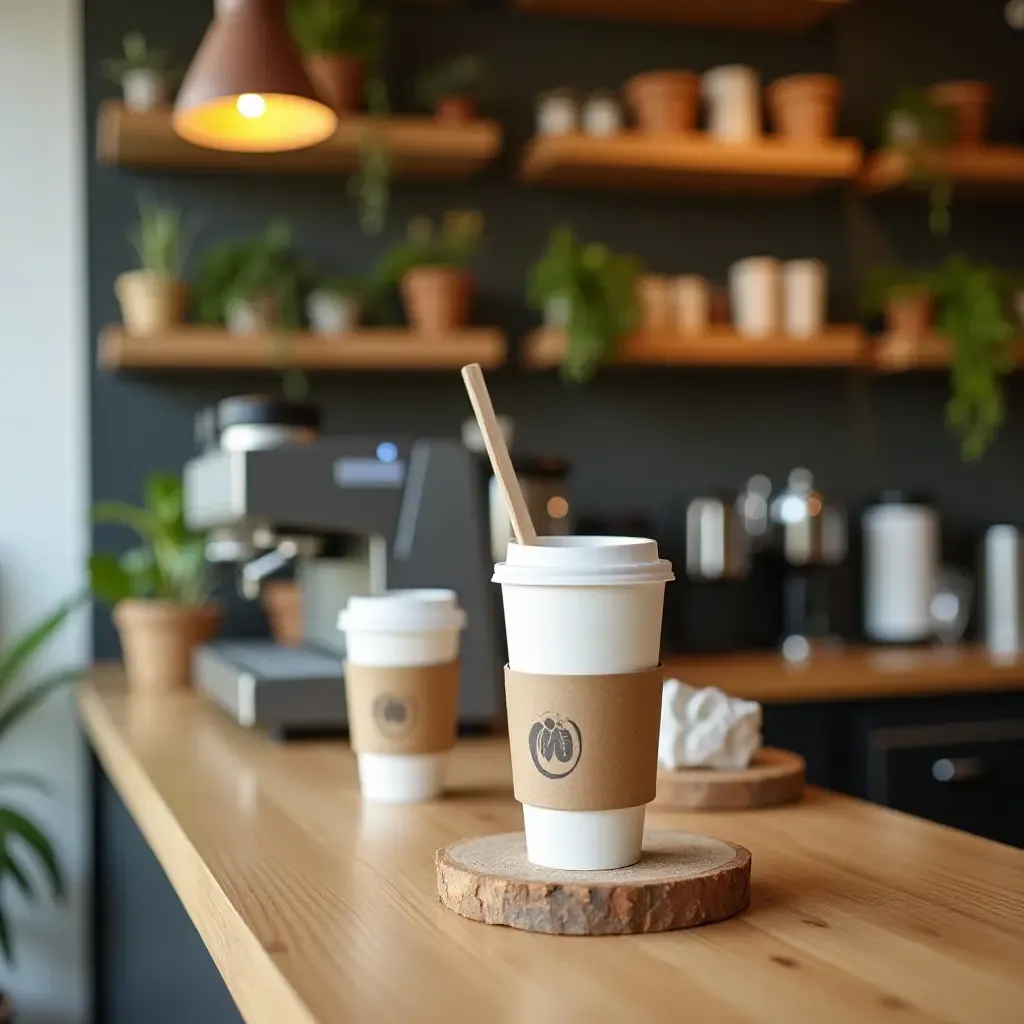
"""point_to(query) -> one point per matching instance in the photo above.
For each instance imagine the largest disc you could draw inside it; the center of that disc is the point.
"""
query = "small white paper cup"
(403, 628)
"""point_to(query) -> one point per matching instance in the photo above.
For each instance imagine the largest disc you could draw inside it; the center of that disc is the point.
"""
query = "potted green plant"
(339, 39)
(22, 840)
(453, 90)
(334, 306)
(153, 297)
(906, 300)
(430, 270)
(252, 286)
(973, 314)
(591, 293)
(916, 125)
(159, 590)
(145, 76)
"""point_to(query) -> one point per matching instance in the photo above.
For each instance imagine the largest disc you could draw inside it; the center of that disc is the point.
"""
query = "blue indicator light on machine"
(387, 452)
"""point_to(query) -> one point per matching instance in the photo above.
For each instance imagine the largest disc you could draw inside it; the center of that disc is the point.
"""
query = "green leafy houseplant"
(162, 238)
(915, 125)
(19, 834)
(463, 77)
(596, 289)
(168, 565)
(260, 268)
(138, 56)
(450, 247)
(354, 27)
(159, 589)
(370, 186)
(973, 314)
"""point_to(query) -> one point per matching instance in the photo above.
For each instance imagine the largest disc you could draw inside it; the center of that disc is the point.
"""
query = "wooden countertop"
(317, 908)
(852, 673)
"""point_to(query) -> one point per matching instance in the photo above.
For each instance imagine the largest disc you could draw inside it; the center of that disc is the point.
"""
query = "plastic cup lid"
(404, 611)
(583, 562)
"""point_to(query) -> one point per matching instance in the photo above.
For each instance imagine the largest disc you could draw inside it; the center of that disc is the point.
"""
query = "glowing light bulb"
(251, 104)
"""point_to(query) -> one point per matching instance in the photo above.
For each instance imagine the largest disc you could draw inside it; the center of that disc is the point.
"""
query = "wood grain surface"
(774, 777)
(852, 673)
(316, 907)
(681, 881)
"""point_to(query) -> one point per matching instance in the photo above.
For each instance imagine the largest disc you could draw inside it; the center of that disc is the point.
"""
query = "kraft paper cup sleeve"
(584, 743)
(402, 709)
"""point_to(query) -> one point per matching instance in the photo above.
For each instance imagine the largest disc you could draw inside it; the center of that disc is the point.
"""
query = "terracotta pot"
(664, 101)
(654, 296)
(158, 637)
(908, 314)
(338, 78)
(455, 109)
(437, 299)
(257, 315)
(282, 602)
(150, 303)
(805, 107)
(970, 103)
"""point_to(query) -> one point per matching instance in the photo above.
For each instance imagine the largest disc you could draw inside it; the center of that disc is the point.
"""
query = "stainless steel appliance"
(1003, 571)
(810, 535)
(356, 516)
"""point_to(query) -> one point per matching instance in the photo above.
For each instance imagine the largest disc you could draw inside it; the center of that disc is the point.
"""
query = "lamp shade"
(246, 89)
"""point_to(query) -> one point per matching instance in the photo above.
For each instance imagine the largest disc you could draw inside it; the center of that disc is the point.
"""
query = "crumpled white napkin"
(706, 728)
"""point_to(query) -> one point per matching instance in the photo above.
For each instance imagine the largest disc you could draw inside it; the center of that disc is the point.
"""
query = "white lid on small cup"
(404, 611)
(583, 562)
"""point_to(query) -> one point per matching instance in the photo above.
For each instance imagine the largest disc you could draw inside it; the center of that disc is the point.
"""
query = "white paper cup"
(398, 629)
(583, 606)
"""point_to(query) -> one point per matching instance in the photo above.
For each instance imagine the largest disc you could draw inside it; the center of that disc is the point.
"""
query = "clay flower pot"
(338, 78)
(158, 637)
(455, 109)
(654, 296)
(256, 315)
(150, 303)
(970, 103)
(282, 602)
(908, 314)
(437, 299)
(664, 101)
(804, 107)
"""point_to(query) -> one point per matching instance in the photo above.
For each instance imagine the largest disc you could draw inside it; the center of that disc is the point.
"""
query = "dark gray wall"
(638, 440)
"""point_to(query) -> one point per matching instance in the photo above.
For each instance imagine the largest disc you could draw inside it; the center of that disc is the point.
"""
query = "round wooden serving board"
(680, 881)
(774, 777)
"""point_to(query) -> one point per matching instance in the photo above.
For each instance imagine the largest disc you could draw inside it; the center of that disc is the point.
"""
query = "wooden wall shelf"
(690, 163)
(769, 15)
(988, 172)
(890, 353)
(839, 345)
(420, 147)
(371, 348)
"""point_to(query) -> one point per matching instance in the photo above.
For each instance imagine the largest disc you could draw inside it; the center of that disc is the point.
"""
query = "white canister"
(602, 115)
(755, 291)
(901, 560)
(1004, 590)
(558, 113)
(402, 628)
(732, 93)
(692, 304)
(144, 89)
(332, 312)
(805, 297)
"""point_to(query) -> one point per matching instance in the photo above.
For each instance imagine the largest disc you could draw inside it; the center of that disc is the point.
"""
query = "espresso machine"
(356, 516)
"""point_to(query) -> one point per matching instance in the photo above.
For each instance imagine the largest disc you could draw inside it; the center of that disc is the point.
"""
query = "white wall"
(43, 460)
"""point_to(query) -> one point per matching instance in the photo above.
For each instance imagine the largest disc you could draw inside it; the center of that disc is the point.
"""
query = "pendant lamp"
(246, 89)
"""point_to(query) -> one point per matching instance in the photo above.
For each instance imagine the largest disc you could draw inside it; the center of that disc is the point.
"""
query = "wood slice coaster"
(680, 881)
(774, 777)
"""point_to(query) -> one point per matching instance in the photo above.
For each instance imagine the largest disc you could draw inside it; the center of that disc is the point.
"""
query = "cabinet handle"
(958, 769)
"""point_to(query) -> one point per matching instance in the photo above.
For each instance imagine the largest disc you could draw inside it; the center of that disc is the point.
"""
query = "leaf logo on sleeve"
(556, 745)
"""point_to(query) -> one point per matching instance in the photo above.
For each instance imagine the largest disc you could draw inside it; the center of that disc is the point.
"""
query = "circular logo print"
(394, 715)
(556, 745)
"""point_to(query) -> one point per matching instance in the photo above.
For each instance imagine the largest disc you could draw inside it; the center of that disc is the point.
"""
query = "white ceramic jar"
(732, 93)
